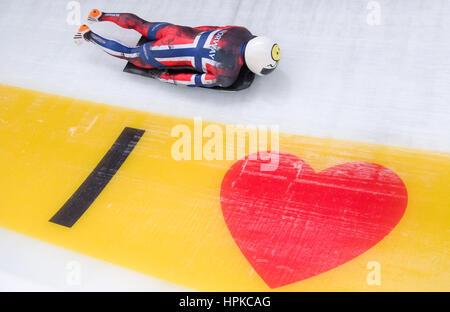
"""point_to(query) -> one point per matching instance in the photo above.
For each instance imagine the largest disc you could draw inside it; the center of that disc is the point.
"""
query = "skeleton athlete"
(206, 56)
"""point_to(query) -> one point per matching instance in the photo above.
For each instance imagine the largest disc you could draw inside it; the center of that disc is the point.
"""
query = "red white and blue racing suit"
(212, 56)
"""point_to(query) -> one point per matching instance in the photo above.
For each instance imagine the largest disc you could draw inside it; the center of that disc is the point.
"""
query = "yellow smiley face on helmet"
(276, 53)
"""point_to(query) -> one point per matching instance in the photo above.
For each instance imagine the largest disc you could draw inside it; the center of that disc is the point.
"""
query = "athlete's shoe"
(94, 16)
(80, 35)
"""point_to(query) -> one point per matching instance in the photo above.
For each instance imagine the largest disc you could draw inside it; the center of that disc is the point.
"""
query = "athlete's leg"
(126, 20)
(117, 49)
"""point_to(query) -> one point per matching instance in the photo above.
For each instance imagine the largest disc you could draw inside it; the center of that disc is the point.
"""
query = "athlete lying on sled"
(206, 56)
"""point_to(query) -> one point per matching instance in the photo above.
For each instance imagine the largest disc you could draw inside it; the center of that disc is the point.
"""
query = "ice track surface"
(339, 77)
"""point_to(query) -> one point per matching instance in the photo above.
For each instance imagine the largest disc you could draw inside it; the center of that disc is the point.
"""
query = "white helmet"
(262, 55)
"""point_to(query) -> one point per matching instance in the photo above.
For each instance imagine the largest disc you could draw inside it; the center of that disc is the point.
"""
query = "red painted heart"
(293, 223)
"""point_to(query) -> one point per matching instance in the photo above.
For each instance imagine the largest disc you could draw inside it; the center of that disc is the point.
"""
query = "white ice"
(370, 71)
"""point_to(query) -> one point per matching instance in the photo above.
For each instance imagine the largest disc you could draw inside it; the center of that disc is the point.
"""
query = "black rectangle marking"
(91, 188)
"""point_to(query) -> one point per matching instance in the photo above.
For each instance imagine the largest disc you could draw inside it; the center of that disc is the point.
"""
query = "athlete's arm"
(189, 79)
